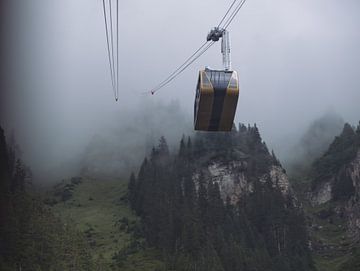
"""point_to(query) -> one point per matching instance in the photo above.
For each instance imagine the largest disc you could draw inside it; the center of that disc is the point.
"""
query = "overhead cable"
(234, 13)
(109, 22)
(174, 75)
(203, 48)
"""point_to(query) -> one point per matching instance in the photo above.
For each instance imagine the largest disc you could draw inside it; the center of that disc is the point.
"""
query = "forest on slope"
(221, 201)
(334, 198)
(199, 227)
(31, 237)
(329, 190)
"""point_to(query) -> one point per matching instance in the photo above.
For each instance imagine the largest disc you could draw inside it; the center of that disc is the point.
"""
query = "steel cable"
(227, 12)
(161, 84)
(234, 13)
(112, 45)
(182, 69)
(196, 54)
(108, 48)
(117, 50)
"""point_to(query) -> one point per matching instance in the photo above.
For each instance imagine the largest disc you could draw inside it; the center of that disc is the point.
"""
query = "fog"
(315, 141)
(296, 60)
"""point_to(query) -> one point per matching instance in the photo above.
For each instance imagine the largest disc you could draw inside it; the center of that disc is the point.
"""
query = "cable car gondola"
(216, 99)
(217, 91)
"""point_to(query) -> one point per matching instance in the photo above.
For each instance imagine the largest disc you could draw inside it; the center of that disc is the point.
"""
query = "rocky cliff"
(336, 179)
(238, 162)
(234, 181)
(220, 203)
(353, 205)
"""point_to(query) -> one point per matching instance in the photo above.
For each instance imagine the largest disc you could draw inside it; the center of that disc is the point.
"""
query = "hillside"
(313, 143)
(223, 202)
(98, 209)
(31, 236)
(330, 193)
(196, 212)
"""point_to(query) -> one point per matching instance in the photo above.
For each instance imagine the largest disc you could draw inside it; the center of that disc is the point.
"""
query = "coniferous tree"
(185, 216)
(341, 152)
(182, 149)
(132, 190)
(28, 229)
(4, 194)
(141, 186)
(189, 150)
(163, 147)
(203, 199)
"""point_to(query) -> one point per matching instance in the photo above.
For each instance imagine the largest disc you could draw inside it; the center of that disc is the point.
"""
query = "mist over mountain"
(57, 94)
(120, 150)
(313, 142)
(220, 202)
(333, 199)
(110, 144)
(195, 201)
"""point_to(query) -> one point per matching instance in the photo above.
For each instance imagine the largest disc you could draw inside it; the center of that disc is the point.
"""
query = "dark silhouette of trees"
(341, 152)
(31, 238)
(185, 215)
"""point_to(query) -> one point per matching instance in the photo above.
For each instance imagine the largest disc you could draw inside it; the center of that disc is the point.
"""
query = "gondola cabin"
(216, 100)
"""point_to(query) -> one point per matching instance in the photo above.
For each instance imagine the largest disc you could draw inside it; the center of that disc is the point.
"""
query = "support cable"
(117, 50)
(184, 67)
(234, 13)
(203, 48)
(227, 12)
(112, 45)
(108, 48)
(161, 84)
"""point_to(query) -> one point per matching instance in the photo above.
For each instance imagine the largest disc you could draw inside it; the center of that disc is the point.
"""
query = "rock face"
(231, 179)
(353, 206)
(220, 193)
(353, 171)
(322, 194)
(279, 179)
(234, 181)
(336, 174)
(350, 207)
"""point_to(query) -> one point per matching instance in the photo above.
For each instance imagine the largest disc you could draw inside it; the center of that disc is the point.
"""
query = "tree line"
(332, 164)
(31, 237)
(185, 215)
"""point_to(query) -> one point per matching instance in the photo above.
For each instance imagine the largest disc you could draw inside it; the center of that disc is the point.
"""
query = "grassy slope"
(334, 246)
(95, 207)
(331, 245)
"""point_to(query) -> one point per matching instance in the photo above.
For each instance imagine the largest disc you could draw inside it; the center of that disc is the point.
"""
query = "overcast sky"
(296, 60)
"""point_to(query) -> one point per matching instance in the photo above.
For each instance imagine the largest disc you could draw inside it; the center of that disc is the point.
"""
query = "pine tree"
(182, 150)
(163, 148)
(256, 134)
(186, 218)
(132, 190)
(141, 186)
(203, 199)
(18, 181)
(216, 204)
(242, 128)
(189, 150)
(341, 152)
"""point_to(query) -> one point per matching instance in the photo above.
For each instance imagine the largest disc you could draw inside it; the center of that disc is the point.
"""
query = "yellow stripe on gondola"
(230, 103)
(216, 111)
(205, 102)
